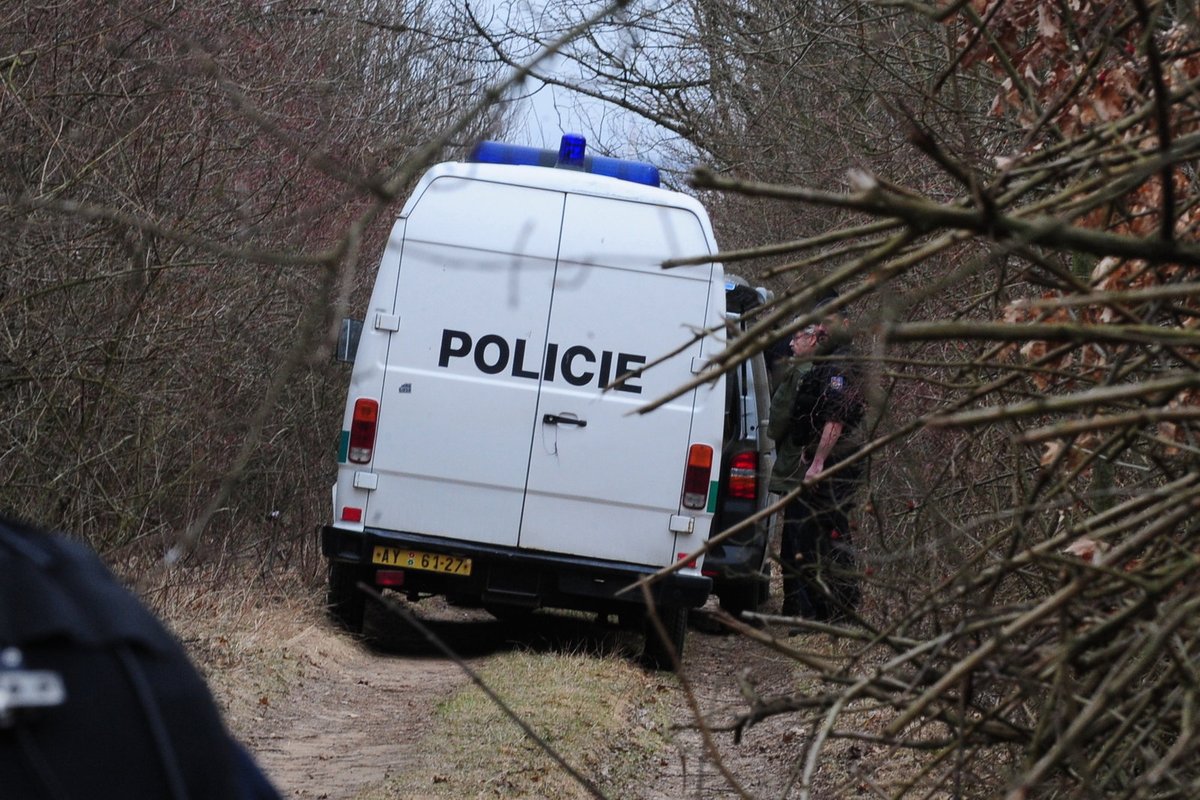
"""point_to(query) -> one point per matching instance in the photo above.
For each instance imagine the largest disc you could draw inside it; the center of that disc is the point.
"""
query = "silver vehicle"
(738, 566)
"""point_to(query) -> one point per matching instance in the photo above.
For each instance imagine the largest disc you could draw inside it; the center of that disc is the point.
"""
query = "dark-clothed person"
(815, 415)
(97, 699)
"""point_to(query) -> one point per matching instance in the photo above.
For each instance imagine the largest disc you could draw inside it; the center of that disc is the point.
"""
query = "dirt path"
(761, 763)
(349, 714)
(348, 722)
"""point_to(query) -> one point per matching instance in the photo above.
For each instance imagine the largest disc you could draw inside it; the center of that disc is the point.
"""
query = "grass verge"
(236, 625)
(602, 714)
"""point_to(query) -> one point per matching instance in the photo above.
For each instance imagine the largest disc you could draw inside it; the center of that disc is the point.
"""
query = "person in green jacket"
(790, 460)
(814, 416)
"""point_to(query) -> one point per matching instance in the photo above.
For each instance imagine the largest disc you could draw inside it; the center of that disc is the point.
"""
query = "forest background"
(1004, 194)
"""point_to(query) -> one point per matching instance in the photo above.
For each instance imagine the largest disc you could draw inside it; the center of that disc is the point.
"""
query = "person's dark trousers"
(820, 572)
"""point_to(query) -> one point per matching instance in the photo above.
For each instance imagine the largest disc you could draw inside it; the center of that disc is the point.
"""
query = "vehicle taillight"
(362, 430)
(695, 480)
(743, 476)
(390, 577)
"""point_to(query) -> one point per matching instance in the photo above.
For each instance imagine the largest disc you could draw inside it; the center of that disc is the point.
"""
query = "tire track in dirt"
(352, 713)
(351, 718)
(763, 762)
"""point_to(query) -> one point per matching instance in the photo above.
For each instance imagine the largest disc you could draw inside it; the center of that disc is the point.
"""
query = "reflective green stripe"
(344, 447)
(712, 497)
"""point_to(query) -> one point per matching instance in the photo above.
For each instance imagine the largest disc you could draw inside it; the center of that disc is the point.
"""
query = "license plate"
(415, 559)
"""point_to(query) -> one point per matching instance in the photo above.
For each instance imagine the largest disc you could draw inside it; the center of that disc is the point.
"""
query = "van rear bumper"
(519, 577)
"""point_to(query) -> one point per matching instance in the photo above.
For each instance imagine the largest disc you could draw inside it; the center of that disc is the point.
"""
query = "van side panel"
(610, 488)
(366, 380)
(460, 391)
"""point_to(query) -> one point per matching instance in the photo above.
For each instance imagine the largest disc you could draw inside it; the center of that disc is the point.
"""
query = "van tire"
(738, 597)
(344, 601)
(656, 654)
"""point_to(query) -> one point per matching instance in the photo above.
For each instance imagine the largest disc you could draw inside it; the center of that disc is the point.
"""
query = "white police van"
(492, 447)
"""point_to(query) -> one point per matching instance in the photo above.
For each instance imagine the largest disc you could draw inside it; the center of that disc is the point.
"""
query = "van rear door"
(459, 396)
(602, 478)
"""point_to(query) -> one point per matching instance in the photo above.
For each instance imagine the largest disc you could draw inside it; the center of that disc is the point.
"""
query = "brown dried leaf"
(1108, 103)
(1087, 549)
(1050, 453)
(1094, 357)
(1049, 27)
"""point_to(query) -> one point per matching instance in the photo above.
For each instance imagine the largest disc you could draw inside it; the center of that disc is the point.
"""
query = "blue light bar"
(570, 155)
(501, 153)
(636, 171)
(570, 151)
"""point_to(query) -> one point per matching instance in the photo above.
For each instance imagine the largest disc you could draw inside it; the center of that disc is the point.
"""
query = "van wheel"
(738, 597)
(345, 602)
(656, 653)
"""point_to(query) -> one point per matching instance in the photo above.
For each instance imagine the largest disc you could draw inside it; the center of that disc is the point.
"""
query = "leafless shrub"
(185, 186)
(1005, 193)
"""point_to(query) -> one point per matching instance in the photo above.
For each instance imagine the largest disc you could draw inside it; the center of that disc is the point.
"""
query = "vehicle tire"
(740, 596)
(631, 618)
(345, 602)
(656, 653)
(764, 589)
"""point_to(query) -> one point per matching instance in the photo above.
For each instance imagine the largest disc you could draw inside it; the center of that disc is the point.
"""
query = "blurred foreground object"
(97, 700)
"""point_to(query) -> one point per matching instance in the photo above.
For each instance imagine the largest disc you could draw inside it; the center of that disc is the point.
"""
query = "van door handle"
(555, 419)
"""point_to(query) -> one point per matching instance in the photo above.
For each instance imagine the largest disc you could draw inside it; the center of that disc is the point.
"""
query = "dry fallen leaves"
(1087, 549)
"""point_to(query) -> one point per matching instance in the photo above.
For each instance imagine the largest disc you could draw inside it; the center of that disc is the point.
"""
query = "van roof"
(560, 180)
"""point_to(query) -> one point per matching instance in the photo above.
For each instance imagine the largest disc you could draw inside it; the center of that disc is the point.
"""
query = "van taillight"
(695, 480)
(743, 476)
(362, 430)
